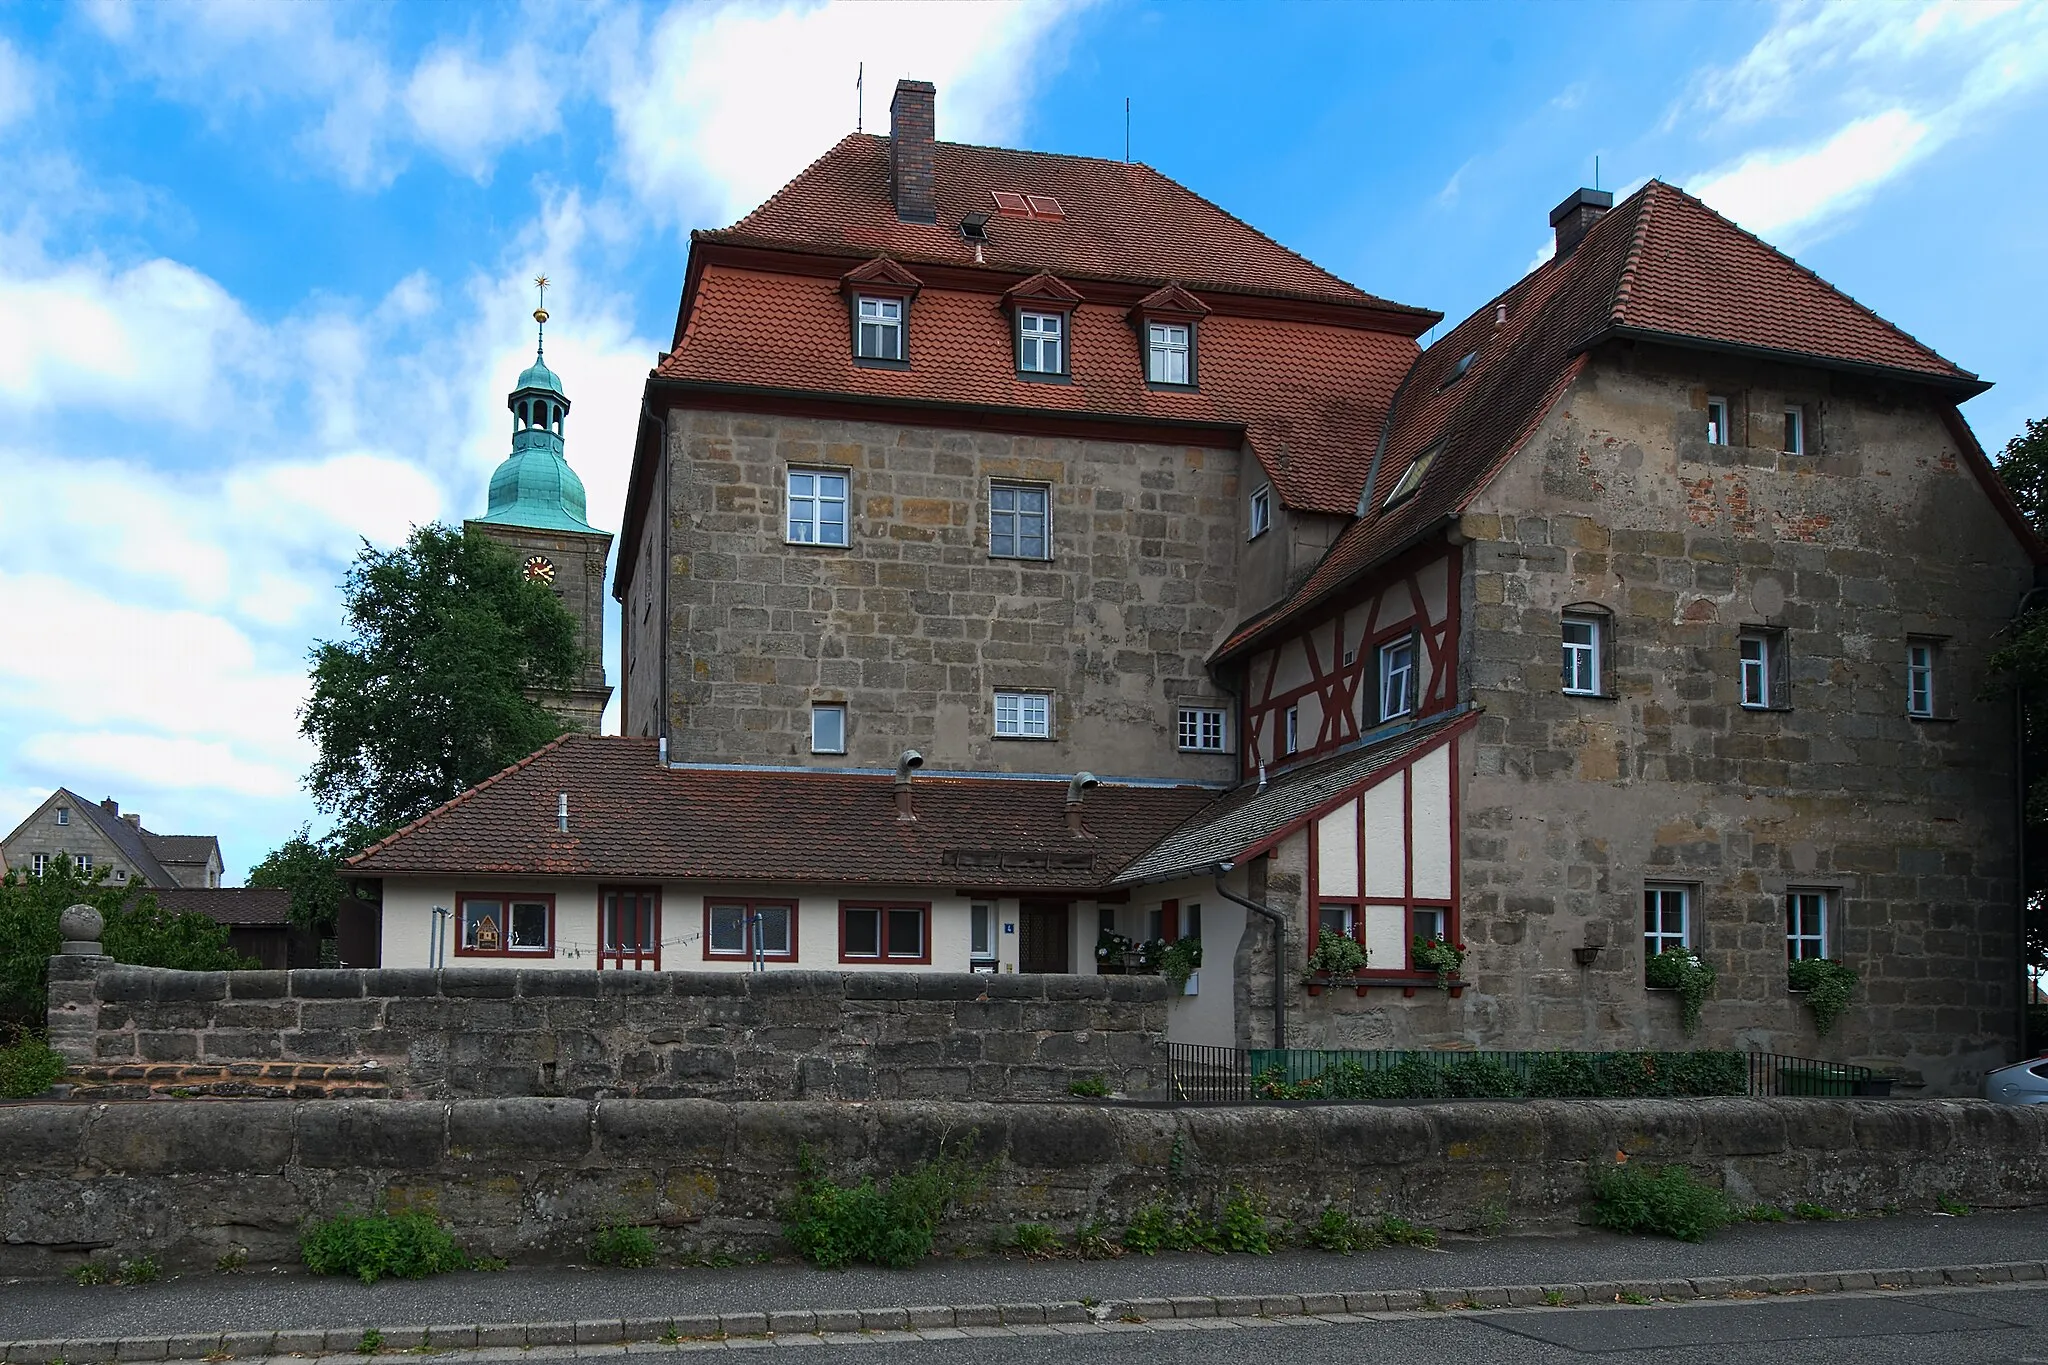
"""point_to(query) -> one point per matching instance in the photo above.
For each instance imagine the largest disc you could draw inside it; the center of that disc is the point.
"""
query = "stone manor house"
(1023, 555)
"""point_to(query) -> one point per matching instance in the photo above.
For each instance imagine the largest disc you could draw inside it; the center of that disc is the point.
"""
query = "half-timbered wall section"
(1388, 653)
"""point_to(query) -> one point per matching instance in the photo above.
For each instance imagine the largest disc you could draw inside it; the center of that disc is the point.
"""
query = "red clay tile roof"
(1310, 396)
(631, 818)
(234, 905)
(1661, 266)
(1122, 221)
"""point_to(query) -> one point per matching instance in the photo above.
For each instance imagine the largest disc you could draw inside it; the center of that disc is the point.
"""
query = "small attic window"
(1411, 478)
(1045, 206)
(1012, 203)
(974, 227)
(1458, 370)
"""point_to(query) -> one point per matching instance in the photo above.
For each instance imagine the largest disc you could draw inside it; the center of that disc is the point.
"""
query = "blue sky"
(264, 267)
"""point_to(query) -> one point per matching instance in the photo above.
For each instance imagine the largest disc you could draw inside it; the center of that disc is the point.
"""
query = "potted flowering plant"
(1440, 956)
(1180, 960)
(1336, 955)
(1110, 948)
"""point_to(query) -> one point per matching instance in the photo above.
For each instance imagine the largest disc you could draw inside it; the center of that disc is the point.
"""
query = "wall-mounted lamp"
(1586, 955)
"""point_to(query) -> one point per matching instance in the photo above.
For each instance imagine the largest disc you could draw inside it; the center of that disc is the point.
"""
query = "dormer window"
(1411, 478)
(879, 335)
(1041, 343)
(1169, 353)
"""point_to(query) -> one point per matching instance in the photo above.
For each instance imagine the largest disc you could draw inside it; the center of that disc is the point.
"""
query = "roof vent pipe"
(1575, 216)
(661, 751)
(1075, 789)
(909, 763)
(562, 812)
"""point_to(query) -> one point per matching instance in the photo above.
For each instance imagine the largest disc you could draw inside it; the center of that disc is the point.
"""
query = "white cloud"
(121, 761)
(1776, 191)
(19, 85)
(714, 109)
(470, 111)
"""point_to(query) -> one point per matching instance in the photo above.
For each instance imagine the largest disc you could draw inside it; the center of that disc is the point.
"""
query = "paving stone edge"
(219, 1346)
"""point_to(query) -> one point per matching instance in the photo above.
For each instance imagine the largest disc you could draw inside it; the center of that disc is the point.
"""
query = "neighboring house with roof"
(1647, 608)
(258, 920)
(95, 835)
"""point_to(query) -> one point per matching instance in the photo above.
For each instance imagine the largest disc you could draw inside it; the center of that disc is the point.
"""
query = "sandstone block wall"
(913, 625)
(479, 1032)
(533, 1178)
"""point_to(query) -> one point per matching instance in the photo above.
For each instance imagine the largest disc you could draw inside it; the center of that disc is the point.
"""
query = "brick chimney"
(912, 129)
(110, 806)
(134, 820)
(1575, 215)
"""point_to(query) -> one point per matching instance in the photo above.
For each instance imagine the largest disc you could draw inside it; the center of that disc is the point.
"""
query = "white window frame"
(1203, 730)
(1411, 478)
(1170, 353)
(981, 935)
(83, 862)
(1023, 715)
(1397, 669)
(1795, 429)
(1260, 517)
(38, 863)
(1717, 422)
(1293, 727)
(1657, 899)
(1347, 916)
(1802, 933)
(837, 709)
(1018, 518)
(1581, 661)
(1041, 343)
(813, 500)
(1922, 659)
(63, 815)
(878, 328)
(1754, 674)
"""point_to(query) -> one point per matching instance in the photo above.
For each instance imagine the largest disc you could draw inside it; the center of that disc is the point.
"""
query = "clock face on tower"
(540, 569)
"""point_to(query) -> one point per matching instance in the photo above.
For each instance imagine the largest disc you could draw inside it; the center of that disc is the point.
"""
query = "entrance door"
(1043, 937)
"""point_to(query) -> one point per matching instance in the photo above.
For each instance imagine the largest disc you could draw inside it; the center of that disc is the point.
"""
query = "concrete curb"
(835, 1321)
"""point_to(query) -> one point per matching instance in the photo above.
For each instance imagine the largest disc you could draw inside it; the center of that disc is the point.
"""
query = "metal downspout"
(1279, 922)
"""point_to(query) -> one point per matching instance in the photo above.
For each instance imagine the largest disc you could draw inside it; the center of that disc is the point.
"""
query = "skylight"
(1012, 204)
(1411, 478)
(1458, 370)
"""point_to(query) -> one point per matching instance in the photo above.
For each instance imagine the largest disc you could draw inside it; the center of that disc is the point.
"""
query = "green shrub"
(1335, 1230)
(400, 1246)
(1036, 1240)
(892, 1224)
(1089, 1087)
(625, 1245)
(1481, 1078)
(1816, 1213)
(1685, 971)
(1670, 1202)
(1402, 1233)
(1149, 1229)
(28, 1068)
(1194, 1232)
(1763, 1213)
(1244, 1227)
(1827, 984)
(141, 1270)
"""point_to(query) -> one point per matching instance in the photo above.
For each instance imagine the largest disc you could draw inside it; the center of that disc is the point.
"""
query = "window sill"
(1021, 559)
(1219, 753)
(1028, 739)
(1590, 696)
(1043, 377)
(1161, 386)
(815, 545)
(1257, 534)
(1762, 710)
(1931, 720)
(877, 363)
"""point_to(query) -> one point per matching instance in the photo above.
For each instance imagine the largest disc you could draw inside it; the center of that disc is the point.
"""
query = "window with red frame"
(879, 932)
(505, 925)
(735, 926)
(629, 927)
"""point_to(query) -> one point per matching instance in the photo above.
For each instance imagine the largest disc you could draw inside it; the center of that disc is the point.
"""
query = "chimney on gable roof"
(1575, 215)
(110, 806)
(913, 126)
(134, 820)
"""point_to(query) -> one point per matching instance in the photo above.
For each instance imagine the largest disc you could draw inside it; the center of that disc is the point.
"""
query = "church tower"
(537, 509)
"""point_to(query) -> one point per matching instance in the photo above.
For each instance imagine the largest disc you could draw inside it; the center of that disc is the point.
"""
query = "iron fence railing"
(1221, 1075)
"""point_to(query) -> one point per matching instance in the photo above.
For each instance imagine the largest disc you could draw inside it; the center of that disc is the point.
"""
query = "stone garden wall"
(460, 1033)
(189, 1182)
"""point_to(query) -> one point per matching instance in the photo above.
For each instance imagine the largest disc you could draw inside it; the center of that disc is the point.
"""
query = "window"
(828, 729)
(1717, 422)
(39, 863)
(1920, 657)
(84, 862)
(743, 928)
(1795, 430)
(1397, 678)
(1427, 924)
(629, 928)
(1039, 343)
(63, 815)
(1169, 348)
(1261, 517)
(1336, 917)
(1017, 517)
(1582, 656)
(981, 937)
(1023, 715)
(1762, 663)
(1458, 370)
(1411, 478)
(1191, 921)
(120, 875)
(1667, 918)
(880, 334)
(505, 925)
(817, 507)
(1201, 729)
(1293, 730)
(884, 933)
(1806, 924)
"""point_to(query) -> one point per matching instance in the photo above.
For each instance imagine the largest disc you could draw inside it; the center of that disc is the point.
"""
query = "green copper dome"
(535, 486)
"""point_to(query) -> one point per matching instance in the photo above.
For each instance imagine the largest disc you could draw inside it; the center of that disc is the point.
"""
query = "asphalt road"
(1950, 1327)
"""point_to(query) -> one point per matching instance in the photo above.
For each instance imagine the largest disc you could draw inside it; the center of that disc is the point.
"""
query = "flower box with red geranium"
(1432, 954)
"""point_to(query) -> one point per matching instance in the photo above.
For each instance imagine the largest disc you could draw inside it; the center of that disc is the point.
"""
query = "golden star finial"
(540, 314)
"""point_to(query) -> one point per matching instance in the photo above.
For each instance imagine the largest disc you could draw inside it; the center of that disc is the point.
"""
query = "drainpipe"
(1279, 923)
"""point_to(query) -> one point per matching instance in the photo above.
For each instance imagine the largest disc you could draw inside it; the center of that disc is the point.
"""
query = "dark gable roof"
(1122, 221)
(630, 819)
(230, 905)
(1659, 266)
(133, 842)
(183, 849)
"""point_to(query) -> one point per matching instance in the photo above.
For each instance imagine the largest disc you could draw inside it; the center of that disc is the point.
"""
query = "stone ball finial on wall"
(80, 927)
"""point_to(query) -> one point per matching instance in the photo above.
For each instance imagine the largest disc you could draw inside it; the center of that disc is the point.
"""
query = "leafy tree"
(311, 869)
(138, 931)
(428, 695)
(2023, 468)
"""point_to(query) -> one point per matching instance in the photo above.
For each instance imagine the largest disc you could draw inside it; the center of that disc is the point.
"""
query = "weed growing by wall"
(1669, 1202)
(625, 1245)
(892, 1224)
(401, 1246)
